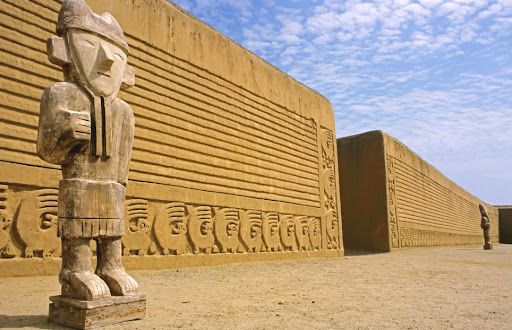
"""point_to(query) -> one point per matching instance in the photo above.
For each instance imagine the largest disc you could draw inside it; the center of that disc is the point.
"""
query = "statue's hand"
(80, 125)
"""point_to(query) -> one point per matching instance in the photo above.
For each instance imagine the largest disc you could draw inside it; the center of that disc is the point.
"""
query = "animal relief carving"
(332, 223)
(287, 231)
(250, 230)
(6, 248)
(227, 229)
(136, 237)
(271, 231)
(315, 233)
(302, 233)
(37, 223)
(200, 228)
(170, 228)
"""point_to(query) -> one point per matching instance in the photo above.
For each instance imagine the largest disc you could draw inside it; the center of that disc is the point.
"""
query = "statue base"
(487, 246)
(82, 314)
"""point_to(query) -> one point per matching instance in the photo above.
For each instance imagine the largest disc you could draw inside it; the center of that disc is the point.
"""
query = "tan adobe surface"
(392, 198)
(232, 160)
(462, 287)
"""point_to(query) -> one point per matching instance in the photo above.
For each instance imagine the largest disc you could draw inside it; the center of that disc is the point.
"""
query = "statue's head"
(91, 48)
(483, 210)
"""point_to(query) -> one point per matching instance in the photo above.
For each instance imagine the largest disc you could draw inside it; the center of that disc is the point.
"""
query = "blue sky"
(435, 74)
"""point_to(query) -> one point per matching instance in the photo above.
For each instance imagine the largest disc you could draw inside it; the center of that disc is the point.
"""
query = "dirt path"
(421, 288)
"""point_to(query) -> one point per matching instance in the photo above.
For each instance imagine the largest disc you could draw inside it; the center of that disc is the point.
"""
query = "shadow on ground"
(352, 253)
(25, 321)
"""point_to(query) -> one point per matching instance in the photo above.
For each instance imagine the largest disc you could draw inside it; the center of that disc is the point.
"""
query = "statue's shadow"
(27, 321)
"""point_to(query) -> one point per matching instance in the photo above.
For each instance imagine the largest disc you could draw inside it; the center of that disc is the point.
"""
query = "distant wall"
(392, 198)
(221, 136)
(505, 223)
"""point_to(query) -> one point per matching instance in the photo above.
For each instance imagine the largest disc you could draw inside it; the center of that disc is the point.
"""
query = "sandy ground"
(421, 288)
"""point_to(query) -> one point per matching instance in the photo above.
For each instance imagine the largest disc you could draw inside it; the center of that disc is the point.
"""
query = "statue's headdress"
(76, 14)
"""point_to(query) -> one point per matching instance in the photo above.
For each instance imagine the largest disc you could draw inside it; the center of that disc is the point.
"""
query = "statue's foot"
(85, 286)
(119, 282)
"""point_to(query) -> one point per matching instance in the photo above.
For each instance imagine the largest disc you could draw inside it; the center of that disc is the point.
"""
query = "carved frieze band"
(6, 248)
(330, 194)
(180, 228)
(175, 228)
(412, 237)
(392, 203)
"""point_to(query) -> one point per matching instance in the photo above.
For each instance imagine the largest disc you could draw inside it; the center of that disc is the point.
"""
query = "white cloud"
(437, 74)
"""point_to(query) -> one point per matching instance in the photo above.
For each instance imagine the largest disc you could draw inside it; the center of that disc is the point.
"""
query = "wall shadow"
(353, 253)
(27, 321)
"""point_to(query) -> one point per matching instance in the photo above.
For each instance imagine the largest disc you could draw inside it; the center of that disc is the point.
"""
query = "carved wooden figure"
(88, 130)
(486, 226)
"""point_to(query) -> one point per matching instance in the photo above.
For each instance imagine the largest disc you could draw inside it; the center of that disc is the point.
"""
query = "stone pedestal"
(81, 314)
(487, 246)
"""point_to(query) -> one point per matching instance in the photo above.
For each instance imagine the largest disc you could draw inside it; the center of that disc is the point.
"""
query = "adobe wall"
(399, 200)
(363, 190)
(505, 216)
(223, 139)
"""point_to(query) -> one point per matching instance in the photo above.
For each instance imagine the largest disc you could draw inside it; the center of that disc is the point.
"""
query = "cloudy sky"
(435, 74)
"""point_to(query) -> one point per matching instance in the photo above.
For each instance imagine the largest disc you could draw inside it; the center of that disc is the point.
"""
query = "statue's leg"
(487, 236)
(110, 267)
(76, 276)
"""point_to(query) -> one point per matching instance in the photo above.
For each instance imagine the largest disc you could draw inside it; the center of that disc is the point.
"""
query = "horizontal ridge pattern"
(193, 129)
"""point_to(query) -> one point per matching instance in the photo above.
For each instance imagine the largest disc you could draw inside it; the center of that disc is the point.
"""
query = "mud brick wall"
(233, 160)
(392, 198)
(505, 217)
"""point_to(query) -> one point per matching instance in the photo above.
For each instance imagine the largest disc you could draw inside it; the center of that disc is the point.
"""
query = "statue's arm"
(60, 129)
(126, 143)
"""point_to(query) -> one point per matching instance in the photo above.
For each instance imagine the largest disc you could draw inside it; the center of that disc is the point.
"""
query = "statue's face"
(100, 63)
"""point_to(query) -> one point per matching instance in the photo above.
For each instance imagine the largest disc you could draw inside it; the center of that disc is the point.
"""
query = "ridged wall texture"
(233, 160)
(392, 199)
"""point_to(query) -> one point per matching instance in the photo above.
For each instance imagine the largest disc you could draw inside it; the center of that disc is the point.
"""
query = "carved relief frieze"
(250, 230)
(413, 237)
(271, 232)
(392, 204)
(6, 246)
(287, 231)
(170, 228)
(315, 233)
(174, 228)
(302, 232)
(227, 229)
(36, 223)
(200, 228)
(330, 195)
(180, 228)
(137, 228)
